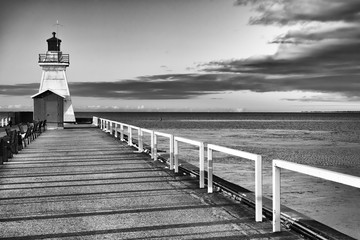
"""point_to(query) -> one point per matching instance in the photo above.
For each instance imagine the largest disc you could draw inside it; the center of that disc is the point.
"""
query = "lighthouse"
(53, 101)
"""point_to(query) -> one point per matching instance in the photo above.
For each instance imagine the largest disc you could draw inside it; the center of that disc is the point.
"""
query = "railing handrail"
(342, 178)
(132, 127)
(234, 152)
(277, 164)
(168, 135)
(258, 173)
(146, 130)
(189, 141)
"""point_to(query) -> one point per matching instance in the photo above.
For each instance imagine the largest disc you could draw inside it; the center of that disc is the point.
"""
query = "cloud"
(320, 52)
(185, 86)
(166, 86)
(321, 28)
(19, 89)
(285, 12)
(329, 98)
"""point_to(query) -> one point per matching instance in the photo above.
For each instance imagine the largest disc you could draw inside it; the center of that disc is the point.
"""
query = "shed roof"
(40, 94)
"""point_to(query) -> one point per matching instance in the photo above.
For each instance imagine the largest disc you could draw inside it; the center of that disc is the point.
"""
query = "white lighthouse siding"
(54, 78)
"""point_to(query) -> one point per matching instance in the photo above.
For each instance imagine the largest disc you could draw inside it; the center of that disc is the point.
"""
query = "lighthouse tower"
(53, 101)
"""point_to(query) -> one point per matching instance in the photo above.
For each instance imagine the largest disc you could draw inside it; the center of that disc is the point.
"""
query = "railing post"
(121, 132)
(176, 155)
(140, 139)
(258, 189)
(116, 130)
(130, 135)
(210, 169)
(152, 144)
(155, 147)
(276, 198)
(111, 127)
(171, 152)
(201, 164)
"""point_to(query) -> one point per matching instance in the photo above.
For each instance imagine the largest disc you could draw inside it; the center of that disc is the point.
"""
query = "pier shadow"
(161, 231)
(91, 184)
(55, 174)
(115, 212)
(92, 193)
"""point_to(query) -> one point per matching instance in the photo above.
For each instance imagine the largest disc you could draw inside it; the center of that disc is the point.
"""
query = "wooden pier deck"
(83, 184)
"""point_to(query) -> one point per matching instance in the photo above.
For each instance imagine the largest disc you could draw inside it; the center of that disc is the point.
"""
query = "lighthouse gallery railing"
(54, 58)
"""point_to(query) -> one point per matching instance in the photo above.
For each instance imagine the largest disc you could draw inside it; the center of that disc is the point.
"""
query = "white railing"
(107, 126)
(121, 131)
(4, 122)
(201, 156)
(112, 127)
(152, 142)
(171, 146)
(138, 136)
(245, 155)
(95, 121)
(130, 134)
(277, 165)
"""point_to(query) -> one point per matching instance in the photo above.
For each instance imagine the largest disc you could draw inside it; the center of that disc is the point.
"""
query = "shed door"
(52, 111)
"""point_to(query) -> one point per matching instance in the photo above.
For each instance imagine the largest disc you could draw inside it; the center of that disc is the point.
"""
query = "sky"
(188, 55)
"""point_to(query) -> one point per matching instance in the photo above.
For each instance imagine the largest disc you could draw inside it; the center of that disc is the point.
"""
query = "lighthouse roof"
(53, 43)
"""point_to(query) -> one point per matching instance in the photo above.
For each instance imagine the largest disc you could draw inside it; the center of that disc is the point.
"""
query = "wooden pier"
(81, 183)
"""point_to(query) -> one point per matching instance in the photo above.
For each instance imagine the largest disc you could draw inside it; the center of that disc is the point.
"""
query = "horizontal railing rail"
(201, 156)
(277, 165)
(245, 155)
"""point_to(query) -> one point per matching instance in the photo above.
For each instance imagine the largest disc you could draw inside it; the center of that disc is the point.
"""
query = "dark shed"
(49, 106)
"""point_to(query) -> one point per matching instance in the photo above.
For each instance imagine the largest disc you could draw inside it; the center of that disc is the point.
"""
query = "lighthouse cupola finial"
(54, 43)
